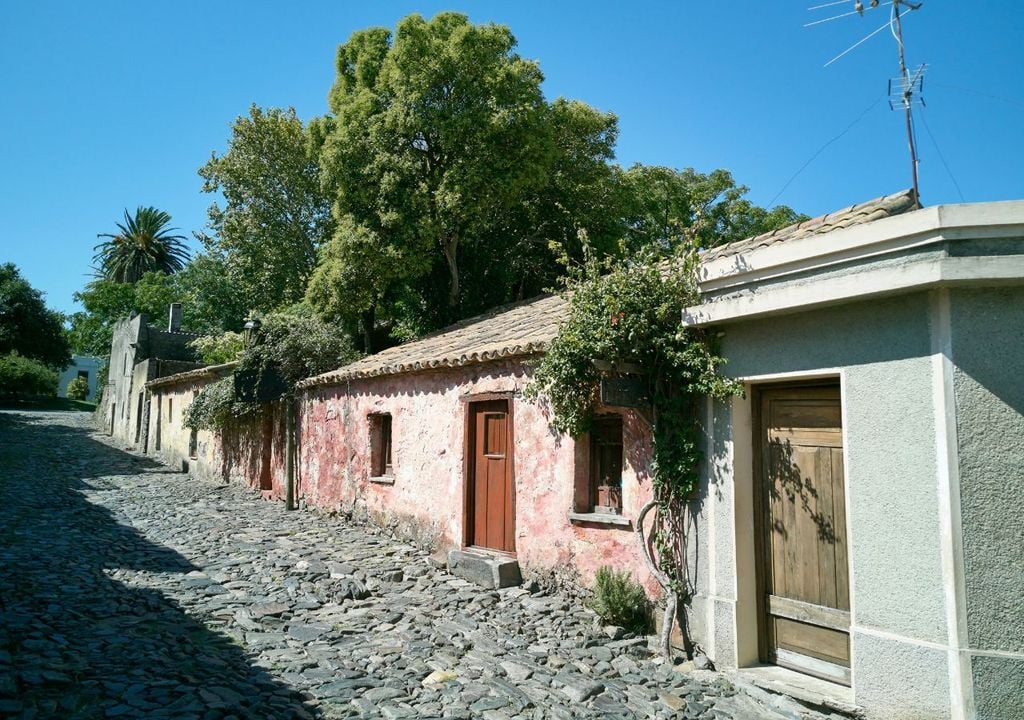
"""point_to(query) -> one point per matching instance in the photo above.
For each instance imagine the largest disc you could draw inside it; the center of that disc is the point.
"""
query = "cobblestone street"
(133, 591)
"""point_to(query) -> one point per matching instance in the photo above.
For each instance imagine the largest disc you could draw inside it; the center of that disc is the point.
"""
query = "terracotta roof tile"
(510, 331)
(859, 214)
(209, 371)
(528, 327)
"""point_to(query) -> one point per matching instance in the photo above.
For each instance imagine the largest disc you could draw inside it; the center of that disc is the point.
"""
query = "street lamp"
(251, 330)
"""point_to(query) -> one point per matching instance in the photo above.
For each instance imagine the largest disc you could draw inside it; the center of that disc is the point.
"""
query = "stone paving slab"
(133, 591)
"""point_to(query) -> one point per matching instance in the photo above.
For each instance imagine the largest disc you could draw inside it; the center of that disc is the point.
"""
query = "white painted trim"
(793, 376)
(844, 414)
(1007, 654)
(919, 275)
(709, 609)
(896, 637)
(908, 230)
(745, 618)
(950, 530)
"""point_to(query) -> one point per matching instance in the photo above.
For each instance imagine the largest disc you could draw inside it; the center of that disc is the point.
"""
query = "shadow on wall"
(792, 486)
(80, 642)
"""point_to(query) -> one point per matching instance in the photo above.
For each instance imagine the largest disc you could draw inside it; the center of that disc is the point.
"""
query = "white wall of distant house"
(80, 364)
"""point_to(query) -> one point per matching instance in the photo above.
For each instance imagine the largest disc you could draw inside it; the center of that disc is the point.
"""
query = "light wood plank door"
(804, 577)
(492, 487)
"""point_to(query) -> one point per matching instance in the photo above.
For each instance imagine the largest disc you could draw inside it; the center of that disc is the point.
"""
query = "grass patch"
(45, 403)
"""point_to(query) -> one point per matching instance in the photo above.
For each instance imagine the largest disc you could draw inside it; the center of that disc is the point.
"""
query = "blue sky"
(116, 104)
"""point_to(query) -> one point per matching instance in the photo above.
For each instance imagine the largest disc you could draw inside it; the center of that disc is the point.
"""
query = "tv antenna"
(904, 91)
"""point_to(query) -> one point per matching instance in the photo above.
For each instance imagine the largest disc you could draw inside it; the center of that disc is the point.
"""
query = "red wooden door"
(491, 515)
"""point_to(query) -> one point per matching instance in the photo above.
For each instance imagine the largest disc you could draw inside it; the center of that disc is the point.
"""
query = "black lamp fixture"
(251, 330)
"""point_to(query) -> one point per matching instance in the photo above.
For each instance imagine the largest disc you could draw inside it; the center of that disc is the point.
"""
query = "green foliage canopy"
(628, 314)
(665, 208)
(443, 157)
(219, 349)
(143, 243)
(27, 326)
(294, 346)
(275, 215)
(25, 376)
(107, 301)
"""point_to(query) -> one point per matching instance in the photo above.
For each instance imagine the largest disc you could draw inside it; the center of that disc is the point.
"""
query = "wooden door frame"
(761, 506)
(468, 454)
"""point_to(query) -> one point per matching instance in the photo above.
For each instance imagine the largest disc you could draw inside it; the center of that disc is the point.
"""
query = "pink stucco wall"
(428, 412)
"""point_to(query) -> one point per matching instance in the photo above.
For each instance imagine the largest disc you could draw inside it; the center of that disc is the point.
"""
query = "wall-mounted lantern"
(250, 330)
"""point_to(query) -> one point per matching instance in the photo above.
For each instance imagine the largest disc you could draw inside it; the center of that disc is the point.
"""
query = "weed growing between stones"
(626, 317)
(621, 600)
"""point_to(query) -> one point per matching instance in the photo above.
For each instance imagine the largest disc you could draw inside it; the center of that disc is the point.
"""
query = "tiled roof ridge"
(464, 347)
(511, 330)
(466, 322)
(194, 374)
(856, 214)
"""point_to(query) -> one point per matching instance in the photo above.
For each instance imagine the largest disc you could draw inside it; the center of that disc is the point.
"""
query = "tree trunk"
(450, 246)
(671, 598)
(368, 320)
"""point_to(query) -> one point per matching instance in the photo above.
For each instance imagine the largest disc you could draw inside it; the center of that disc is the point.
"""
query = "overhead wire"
(942, 158)
(820, 150)
(836, 17)
(863, 40)
(1012, 101)
(829, 4)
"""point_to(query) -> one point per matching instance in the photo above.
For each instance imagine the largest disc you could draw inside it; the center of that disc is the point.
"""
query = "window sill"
(383, 480)
(600, 519)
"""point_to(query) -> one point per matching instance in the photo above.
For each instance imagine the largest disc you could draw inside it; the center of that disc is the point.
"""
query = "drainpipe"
(289, 453)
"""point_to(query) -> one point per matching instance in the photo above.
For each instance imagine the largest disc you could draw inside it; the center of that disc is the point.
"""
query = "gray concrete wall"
(127, 347)
(988, 356)
(884, 351)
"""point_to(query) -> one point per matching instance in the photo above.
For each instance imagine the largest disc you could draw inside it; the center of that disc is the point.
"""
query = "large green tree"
(105, 302)
(438, 130)
(275, 215)
(210, 305)
(665, 208)
(27, 326)
(143, 243)
(451, 174)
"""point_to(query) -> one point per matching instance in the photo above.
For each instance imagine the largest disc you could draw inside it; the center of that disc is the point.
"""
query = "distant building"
(141, 352)
(82, 366)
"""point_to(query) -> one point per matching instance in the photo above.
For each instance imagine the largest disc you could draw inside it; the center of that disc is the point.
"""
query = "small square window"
(606, 464)
(380, 446)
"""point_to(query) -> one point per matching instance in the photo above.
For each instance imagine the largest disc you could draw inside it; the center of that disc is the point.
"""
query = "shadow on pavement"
(78, 643)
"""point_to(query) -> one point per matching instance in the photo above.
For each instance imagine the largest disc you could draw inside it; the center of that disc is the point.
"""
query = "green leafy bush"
(292, 347)
(78, 389)
(22, 376)
(621, 600)
(218, 349)
(215, 406)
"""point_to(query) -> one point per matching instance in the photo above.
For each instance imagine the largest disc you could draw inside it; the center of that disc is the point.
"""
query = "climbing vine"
(628, 315)
(287, 348)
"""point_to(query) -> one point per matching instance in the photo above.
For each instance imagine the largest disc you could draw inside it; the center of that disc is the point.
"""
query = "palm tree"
(142, 244)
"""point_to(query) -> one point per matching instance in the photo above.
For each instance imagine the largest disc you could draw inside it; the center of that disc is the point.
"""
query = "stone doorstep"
(813, 692)
(485, 569)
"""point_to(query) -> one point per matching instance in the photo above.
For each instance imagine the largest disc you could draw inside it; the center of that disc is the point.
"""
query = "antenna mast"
(910, 85)
(907, 87)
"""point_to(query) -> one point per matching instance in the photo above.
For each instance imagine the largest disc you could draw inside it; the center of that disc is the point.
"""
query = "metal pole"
(907, 96)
